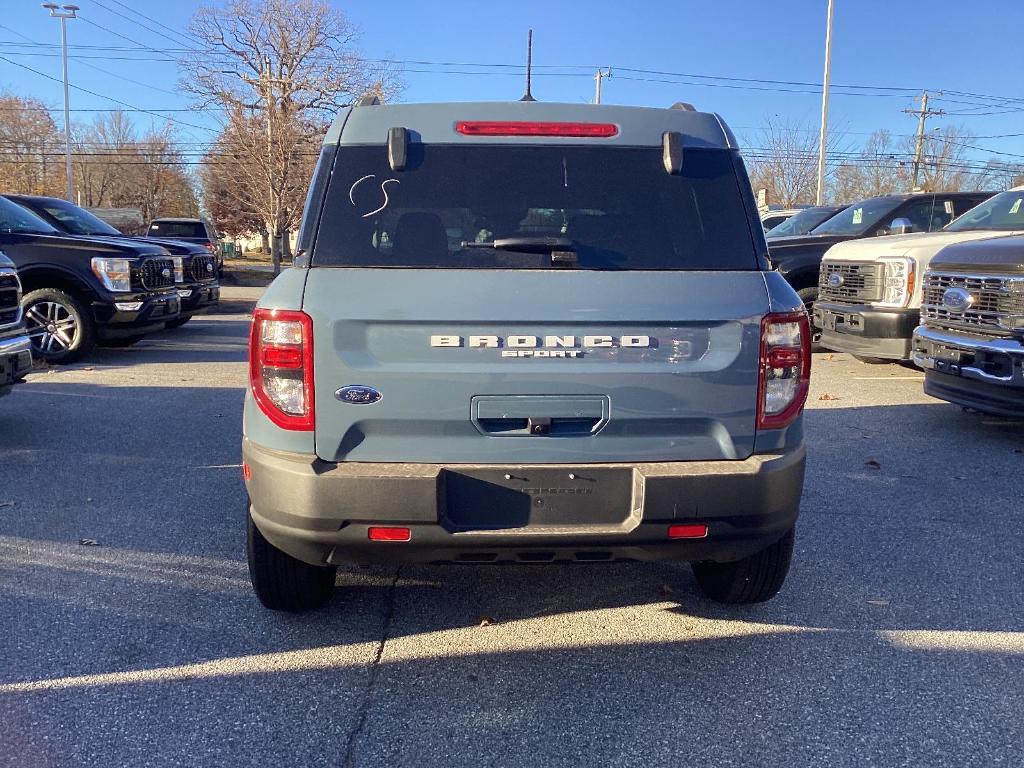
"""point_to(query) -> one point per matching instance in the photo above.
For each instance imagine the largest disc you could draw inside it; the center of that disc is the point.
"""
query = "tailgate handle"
(539, 416)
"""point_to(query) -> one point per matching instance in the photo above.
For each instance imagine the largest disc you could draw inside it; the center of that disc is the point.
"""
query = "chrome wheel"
(52, 327)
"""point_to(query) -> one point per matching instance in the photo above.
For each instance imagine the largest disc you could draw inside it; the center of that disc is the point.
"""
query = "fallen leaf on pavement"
(88, 542)
(827, 396)
(879, 601)
(6, 503)
(485, 621)
(873, 464)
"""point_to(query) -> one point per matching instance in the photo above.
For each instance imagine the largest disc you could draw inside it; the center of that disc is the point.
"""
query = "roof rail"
(369, 100)
(684, 105)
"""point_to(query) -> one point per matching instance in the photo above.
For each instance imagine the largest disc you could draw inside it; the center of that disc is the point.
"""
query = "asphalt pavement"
(129, 635)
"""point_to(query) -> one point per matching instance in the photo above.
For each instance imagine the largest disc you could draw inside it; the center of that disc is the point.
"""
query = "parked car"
(15, 348)
(871, 290)
(802, 222)
(799, 258)
(198, 231)
(774, 216)
(601, 366)
(195, 270)
(82, 290)
(971, 338)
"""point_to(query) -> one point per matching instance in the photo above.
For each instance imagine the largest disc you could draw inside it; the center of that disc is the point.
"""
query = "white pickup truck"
(870, 290)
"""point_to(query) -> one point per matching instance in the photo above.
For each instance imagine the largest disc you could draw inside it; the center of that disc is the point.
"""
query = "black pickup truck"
(195, 269)
(799, 258)
(15, 355)
(80, 291)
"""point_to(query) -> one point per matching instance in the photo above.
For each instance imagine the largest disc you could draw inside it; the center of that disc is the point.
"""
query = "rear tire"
(753, 579)
(283, 583)
(59, 324)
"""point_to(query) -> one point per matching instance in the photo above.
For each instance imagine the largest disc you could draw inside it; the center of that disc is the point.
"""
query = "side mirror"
(901, 226)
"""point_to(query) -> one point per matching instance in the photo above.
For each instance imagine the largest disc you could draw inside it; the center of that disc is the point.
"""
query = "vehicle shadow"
(131, 631)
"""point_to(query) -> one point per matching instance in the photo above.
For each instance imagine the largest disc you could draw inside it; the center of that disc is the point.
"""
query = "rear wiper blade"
(524, 244)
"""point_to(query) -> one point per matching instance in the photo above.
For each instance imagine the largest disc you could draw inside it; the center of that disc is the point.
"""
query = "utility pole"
(598, 77)
(65, 12)
(922, 115)
(823, 136)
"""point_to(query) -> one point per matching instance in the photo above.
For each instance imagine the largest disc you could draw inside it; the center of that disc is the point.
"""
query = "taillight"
(530, 128)
(785, 369)
(281, 367)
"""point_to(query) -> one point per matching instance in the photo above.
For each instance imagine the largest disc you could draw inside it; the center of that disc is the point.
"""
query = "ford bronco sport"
(526, 332)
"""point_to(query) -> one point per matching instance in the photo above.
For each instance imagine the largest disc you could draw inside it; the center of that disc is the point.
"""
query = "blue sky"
(940, 45)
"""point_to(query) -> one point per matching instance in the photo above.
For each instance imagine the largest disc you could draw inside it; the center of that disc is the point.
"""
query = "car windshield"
(75, 220)
(800, 223)
(15, 219)
(194, 229)
(531, 207)
(859, 218)
(1004, 213)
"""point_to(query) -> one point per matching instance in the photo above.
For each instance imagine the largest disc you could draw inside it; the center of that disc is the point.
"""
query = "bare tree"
(31, 151)
(784, 161)
(878, 169)
(294, 61)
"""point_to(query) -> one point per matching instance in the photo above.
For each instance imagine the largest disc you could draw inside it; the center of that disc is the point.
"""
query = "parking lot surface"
(129, 634)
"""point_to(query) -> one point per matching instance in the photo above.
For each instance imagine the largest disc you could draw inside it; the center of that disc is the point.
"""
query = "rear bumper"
(986, 374)
(15, 361)
(320, 512)
(865, 330)
(120, 318)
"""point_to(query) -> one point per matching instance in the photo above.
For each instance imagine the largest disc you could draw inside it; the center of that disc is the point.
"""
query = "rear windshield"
(177, 229)
(616, 208)
(801, 223)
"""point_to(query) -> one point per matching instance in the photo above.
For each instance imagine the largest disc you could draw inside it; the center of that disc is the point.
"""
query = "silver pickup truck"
(971, 338)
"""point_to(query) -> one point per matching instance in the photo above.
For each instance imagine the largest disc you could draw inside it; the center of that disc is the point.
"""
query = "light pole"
(65, 12)
(824, 107)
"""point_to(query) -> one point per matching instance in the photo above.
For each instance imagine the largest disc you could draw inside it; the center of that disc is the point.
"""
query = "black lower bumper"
(198, 296)
(865, 330)
(321, 512)
(986, 374)
(132, 315)
(15, 361)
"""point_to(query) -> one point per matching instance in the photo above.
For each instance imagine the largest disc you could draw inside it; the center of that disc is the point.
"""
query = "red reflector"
(281, 357)
(785, 357)
(246, 472)
(688, 531)
(522, 128)
(388, 534)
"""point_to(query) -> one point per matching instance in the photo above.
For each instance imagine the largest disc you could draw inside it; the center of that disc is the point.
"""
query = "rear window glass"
(177, 229)
(617, 207)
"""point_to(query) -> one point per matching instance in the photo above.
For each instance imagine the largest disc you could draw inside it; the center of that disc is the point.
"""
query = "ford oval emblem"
(957, 299)
(357, 394)
(209, 267)
(165, 272)
(835, 280)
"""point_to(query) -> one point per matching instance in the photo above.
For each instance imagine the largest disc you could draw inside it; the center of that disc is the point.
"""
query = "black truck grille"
(855, 281)
(202, 268)
(10, 298)
(156, 273)
(996, 302)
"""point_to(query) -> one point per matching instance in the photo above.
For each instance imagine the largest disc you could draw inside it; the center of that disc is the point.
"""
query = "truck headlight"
(898, 276)
(115, 274)
(179, 269)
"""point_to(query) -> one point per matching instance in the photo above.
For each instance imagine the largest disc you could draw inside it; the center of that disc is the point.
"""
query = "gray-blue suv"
(526, 332)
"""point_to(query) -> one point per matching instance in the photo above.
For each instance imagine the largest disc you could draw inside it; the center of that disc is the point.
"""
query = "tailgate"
(536, 366)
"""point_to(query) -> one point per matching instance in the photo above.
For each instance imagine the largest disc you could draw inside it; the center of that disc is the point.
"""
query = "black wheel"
(808, 296)
(753, 579)
(283, 583)
(123, 341)
(178, 321)
(59, 325)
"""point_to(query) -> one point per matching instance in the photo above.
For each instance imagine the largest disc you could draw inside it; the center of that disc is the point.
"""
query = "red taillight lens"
(785, 369)
(377, 533)
(688, 531)
(281, 367)
(527, 128)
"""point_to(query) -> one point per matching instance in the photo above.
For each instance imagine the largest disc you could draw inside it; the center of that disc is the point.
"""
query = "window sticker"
(1016, 205)
(858, 216)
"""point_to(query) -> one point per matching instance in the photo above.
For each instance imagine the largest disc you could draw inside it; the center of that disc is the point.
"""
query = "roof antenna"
(529, 66)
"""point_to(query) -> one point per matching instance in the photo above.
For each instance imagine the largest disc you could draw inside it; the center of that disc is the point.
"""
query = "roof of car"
(180, 220)
(435, 123)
